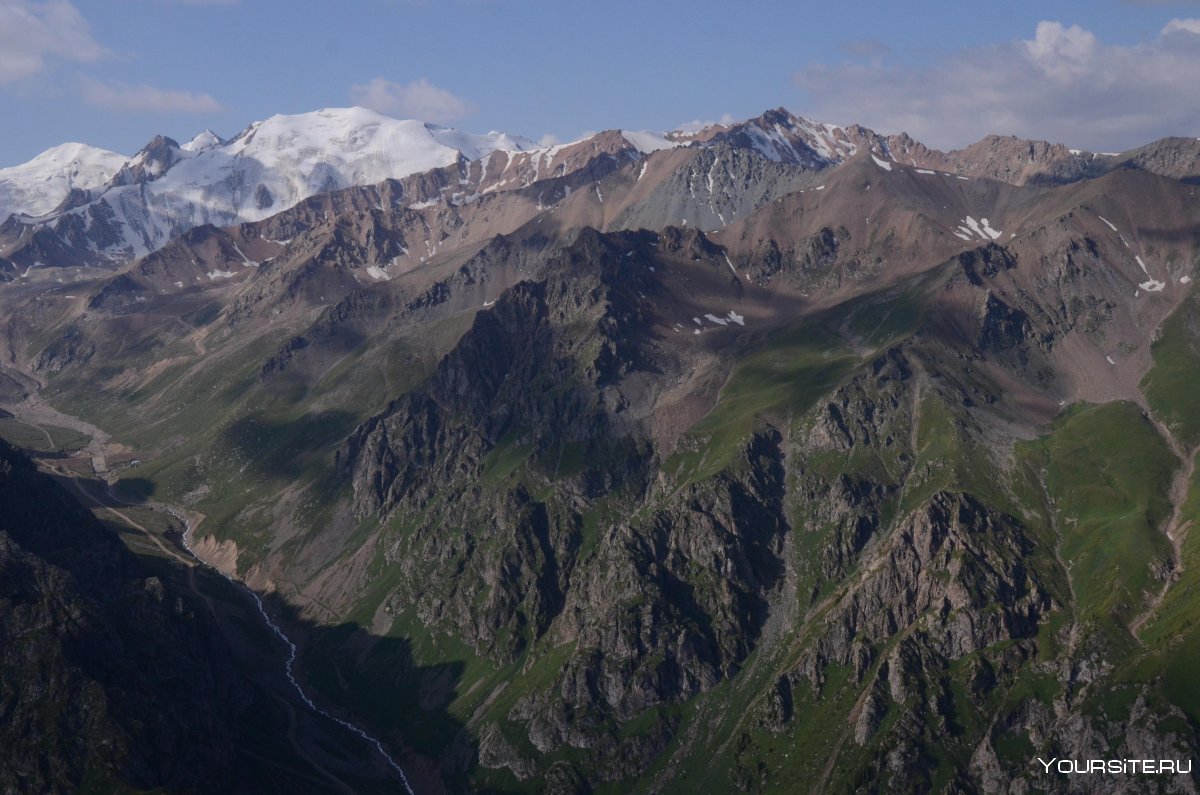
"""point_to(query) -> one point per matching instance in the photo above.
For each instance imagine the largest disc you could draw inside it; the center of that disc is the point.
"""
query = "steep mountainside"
(789, 457)
(110, 678)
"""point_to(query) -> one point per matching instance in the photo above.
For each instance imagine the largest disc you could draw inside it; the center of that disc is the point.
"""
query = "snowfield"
(268, 167)
(37, 187)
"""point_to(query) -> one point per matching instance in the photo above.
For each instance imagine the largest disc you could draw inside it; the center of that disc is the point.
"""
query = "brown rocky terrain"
(794, 454)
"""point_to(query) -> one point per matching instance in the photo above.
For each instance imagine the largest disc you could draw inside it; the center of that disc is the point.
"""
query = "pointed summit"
(150, 163)
(206, 139)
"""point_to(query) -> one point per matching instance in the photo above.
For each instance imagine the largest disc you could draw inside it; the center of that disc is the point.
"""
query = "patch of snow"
(647, 142)
(885, 165)
(720, 321)
(1185, 280)
(1105, 220)
(215, 275)
(1110, 359)
(925, 171)
(964, 179)
(642, 173)
(711, 170)
(730, 264)
(983, 229)
(179, 285)
(425, 205)
(486, 304)
(1152, 286)
(1141, 264)
(698, 321)
(696, 331)
(246, 261)
(736, 318)
(377, 273)
(819, 187)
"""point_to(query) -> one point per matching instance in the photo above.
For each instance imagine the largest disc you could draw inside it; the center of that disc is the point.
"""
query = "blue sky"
(1101, 74)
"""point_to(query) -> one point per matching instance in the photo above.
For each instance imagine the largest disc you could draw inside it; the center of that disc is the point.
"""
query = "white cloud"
(1064, 85)
(1182, 26)
(1062, 54)
(696, 125)
(34, 34)
(419, 99)
(145, 99)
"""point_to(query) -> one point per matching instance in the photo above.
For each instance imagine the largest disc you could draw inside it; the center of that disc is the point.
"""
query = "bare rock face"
(150, 163)
(1023, 162)
(1178, 158)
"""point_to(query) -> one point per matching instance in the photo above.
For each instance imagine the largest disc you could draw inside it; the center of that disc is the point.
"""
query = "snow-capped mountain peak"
(38, 186)
(154, 160)
(270, 166)
(205, 139)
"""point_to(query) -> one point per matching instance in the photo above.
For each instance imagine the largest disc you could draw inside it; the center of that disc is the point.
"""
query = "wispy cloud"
(419, 99)
(696, 125)
(1064, 84)
(32, 35)
(145, 99)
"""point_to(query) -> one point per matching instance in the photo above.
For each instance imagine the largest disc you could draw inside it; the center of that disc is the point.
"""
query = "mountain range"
(772, 456)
